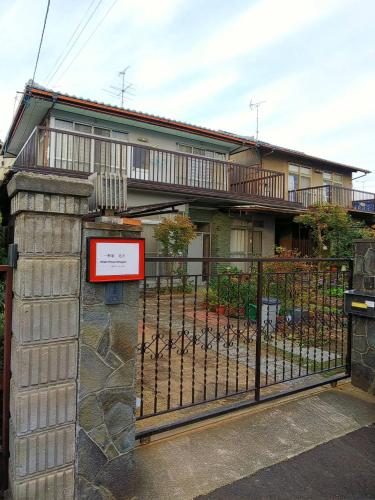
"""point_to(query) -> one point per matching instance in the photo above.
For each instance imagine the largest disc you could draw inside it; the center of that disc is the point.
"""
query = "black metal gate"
(248, 331)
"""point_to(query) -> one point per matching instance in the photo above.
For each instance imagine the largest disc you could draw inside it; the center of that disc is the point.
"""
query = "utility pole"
(124, 89)
(255, 105)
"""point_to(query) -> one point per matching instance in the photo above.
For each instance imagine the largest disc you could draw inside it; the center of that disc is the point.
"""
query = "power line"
(89, 38)
(70, 39)
(41, 40)
(76, 40)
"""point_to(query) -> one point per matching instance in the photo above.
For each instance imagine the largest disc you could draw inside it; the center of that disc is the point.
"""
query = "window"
(86, 154)
(330, 179)
(299, 177)
(205, 172)
(330, 194)
(245, 242)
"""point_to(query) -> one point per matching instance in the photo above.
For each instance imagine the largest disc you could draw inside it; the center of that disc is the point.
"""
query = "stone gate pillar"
(363, 343)
(47, 214)
(106, 380)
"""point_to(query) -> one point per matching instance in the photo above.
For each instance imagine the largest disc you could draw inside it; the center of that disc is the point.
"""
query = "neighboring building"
(241, 194)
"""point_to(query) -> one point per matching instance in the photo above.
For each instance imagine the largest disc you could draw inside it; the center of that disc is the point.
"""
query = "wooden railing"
(351, 199)
(83, 154)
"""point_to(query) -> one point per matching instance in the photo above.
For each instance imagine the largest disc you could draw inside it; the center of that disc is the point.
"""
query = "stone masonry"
(363, 346)
(47, 213)
(106, 393)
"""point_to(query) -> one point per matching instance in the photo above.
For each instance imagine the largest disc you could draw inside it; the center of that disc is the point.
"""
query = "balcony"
(82, 155)
(351, 199)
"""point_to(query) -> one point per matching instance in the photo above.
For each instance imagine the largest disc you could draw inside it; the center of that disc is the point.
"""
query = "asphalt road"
(343, 468)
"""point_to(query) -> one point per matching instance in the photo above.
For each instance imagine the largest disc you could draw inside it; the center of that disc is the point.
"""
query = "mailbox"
(360, 303)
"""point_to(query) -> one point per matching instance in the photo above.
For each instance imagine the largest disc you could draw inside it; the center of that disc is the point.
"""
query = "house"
(241, 194)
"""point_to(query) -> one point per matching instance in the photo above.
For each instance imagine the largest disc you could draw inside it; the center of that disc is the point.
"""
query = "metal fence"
(279, 326)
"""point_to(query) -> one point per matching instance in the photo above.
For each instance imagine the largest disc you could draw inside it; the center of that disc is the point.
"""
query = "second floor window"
(299, 177)
(331, 179)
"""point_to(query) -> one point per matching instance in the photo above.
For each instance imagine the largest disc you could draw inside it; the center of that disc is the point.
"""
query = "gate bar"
(258, 344)
(217, 412)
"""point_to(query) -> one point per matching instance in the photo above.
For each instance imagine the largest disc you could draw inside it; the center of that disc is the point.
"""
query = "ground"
(199, 460)
(338, 469)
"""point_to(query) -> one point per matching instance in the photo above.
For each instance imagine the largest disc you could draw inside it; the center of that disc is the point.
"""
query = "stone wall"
(106, 394)
(363, 343)
(47, 228)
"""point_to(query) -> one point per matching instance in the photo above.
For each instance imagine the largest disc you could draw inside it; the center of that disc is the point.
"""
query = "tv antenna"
(255, 105)
(122, 90)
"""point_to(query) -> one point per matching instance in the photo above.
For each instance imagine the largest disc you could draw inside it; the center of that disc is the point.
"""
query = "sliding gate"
(246, 331)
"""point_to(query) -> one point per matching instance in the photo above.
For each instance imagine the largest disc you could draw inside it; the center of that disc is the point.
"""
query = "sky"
(311, 62)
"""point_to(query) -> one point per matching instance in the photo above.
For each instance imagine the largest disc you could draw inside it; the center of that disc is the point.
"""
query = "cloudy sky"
(202, 61)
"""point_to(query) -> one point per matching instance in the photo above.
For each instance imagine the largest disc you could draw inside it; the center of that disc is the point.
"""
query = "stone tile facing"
(42, 451)
(56, 485)
(106, 398)
(43, 364)
(45, 320)
(37, 234)
(38, 409)
(363, 343)
(48, 203)
(47, 278)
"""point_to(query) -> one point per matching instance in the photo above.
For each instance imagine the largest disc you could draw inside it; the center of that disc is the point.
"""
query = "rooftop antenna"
(124, 89)
(255, 105)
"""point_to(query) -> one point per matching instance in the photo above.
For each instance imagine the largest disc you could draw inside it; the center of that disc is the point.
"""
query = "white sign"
(117, 259)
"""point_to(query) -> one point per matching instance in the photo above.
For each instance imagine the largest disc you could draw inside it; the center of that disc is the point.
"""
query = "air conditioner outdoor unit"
(110, 192)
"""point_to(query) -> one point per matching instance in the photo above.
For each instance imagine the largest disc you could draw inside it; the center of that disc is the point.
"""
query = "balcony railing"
(84, 154)
(350, 199)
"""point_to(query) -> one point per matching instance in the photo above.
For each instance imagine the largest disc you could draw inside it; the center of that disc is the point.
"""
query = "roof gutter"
(133, 115)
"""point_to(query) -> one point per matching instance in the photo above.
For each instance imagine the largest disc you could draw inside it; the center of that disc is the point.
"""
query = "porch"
(351, 199)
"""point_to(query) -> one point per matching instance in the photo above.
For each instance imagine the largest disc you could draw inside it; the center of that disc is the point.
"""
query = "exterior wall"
(141, 135)
(280, 163)
(248, 157)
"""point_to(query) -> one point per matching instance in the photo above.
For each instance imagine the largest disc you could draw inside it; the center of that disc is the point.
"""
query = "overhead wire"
(89, 38)
(75, 40)
(69, 41)
(41, 40)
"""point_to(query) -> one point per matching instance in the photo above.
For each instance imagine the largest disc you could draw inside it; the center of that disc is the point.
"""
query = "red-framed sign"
(115, 259)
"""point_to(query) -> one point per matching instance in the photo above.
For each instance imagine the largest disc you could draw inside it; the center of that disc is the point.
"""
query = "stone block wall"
(47, 213)
(363, 343)
(106, 392)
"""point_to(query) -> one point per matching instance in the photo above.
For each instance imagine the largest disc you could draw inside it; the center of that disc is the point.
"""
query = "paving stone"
(125, 441)
(93, 372)
(100, 436)
(91, 459)
(123, 376)
(90, 413)
(360, 343)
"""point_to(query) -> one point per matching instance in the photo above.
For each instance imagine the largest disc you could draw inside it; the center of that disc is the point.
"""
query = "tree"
(333, 230)
(175, 235)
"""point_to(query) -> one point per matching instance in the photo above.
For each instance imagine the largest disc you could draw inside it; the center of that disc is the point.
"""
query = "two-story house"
(241, 194)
